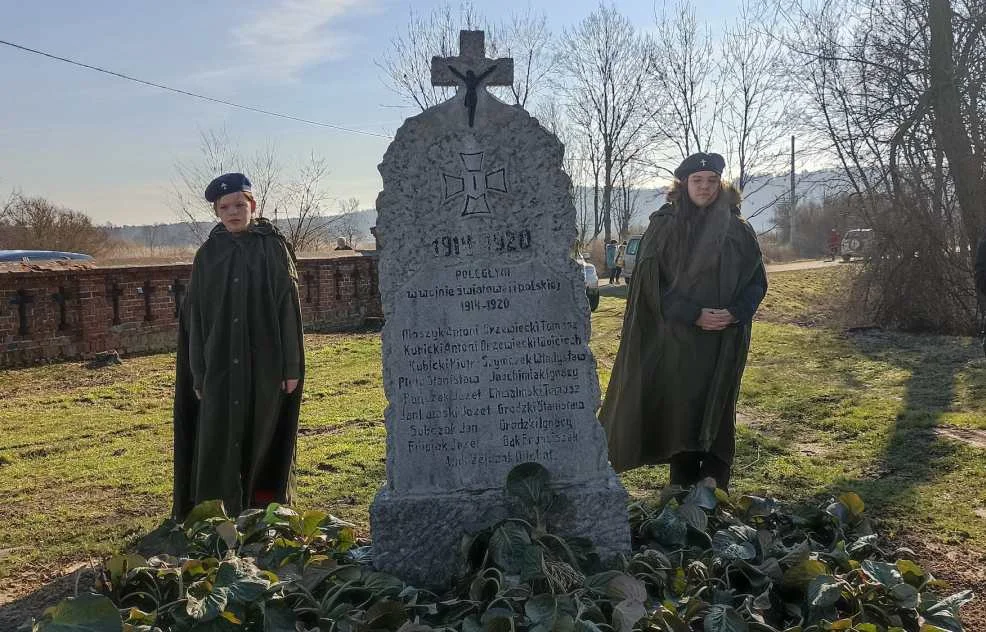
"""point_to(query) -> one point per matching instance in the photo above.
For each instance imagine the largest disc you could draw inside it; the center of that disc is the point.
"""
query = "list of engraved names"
(490, 387)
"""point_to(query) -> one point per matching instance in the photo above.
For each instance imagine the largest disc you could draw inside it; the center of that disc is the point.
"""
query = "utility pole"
(792, 213)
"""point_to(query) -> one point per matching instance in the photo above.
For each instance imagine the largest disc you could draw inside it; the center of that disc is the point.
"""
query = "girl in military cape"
(698, 280)
(240, 366)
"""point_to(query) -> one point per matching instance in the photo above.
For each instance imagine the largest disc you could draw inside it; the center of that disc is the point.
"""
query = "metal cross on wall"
(22, 299)
(472, 69)
(475, 182)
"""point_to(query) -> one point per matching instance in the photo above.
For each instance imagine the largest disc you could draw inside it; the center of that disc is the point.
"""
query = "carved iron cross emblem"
(475, 183)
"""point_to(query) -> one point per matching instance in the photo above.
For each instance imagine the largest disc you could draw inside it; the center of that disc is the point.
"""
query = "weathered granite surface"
(485, 348)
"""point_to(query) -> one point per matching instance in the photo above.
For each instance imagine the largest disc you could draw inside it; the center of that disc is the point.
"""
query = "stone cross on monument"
(471, 69)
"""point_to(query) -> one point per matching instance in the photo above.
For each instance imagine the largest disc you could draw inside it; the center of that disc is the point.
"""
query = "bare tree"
(552, 116)
(629, 181)
(946, 101)
(605, 92)
(758, 111)
(266, 178)
(892, 85)
(29, 223)
(682, 72)
(306, 224)
(524, 36)
(348, 225)
(152, 235)
(217, 154)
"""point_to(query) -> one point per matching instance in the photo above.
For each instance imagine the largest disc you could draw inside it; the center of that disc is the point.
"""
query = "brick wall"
(50, 315)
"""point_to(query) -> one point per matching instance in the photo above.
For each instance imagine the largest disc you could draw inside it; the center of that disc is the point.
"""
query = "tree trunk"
(608, 194)
(966, 170)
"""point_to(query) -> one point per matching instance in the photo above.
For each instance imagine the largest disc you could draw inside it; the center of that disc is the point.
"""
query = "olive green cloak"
(240, 335)
(674, 386)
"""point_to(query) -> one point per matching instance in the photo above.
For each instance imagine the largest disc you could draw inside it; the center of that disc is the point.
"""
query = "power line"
(193, 94)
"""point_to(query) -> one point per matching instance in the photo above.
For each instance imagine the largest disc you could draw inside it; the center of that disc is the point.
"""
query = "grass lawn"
(85, 455)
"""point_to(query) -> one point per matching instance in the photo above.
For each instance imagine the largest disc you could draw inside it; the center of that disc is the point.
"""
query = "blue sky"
(108, 147)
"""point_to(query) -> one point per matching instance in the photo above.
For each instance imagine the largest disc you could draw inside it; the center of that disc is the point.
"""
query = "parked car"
(857, 242)
(630, 256)
(42, 255)
(591, 280)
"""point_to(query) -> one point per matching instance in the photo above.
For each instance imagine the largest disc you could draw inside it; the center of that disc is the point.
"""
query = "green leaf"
(861, 545)
(119, 565)
(757, 507)
(528, 482)
(582, 625)
(484, 589)
(906, 596)
(668, 528)
(623, 587)
(311, 521)
(227, 531)
(724, 619)
(204, 604)
(279, 617)
(599, 583)
(385, 614)
(167, 539)
(241, 580)
(498, 620)
(626, 614)
(853, 502)
(726, 545)
(801, 575)
(694, 516)
(824, 591)
(886, 574)
(945, 613)
(549, 612)
(507, 544)
(136, 616)
(383, 584)
(85, 613)
(205, 511)
(702, 497)
(911, 572)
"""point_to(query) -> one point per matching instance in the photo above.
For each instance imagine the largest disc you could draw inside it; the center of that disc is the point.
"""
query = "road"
(606, 289)
(810, 264)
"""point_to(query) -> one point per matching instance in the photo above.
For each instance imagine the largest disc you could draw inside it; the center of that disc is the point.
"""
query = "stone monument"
(486, 361)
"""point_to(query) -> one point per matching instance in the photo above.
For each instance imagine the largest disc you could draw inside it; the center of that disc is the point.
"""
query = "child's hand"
(198, 393)
(288, 386)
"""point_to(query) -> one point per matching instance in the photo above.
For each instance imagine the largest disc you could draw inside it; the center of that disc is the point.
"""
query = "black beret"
(700, 162)
(226, 183)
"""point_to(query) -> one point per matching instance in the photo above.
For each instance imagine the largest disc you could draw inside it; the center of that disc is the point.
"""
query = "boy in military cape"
(241, 362)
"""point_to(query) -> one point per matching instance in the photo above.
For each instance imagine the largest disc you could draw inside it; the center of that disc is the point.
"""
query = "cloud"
(284, 40)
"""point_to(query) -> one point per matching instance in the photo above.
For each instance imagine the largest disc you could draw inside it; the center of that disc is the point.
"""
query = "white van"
(630, 256)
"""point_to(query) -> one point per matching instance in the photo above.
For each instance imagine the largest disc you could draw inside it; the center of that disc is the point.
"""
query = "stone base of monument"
(403, 526)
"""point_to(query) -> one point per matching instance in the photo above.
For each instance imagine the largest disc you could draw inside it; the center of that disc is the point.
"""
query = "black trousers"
(688, 468)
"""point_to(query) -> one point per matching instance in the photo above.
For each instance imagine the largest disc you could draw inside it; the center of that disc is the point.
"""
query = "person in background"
(698, 280)
(621, 251)
(611, 249)
(241, 362)
(834, 240)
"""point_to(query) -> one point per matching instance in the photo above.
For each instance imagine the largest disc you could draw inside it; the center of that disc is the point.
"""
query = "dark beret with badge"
(226, 183)
(700, 162)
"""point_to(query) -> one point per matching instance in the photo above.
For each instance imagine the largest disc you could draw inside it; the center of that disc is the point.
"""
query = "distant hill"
(760, 197)
(178, 234)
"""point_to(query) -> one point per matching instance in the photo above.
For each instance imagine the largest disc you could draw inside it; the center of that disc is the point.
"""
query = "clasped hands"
(715, 319)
